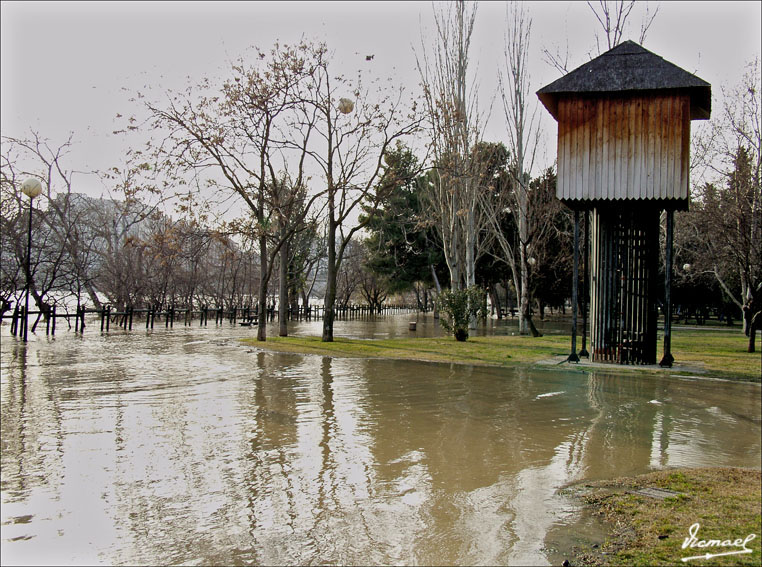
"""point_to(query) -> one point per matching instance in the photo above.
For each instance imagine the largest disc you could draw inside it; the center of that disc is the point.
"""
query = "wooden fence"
(149, 317)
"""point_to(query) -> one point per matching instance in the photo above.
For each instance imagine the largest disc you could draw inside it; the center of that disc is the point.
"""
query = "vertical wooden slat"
(660, 151)
(655, 134)
(642, 253)
(560, 171)
(632, 150)
(672, 145)
(606, 187)
(644, 147)
(677, 147)
(686, 137)
(667, 181)
(569, 176)
(637, 288)
(575, 285)
(586, 155)
(637, 150)
(609, 175)
(633, 243)
(643, 292)
(602, 284)
(670, 141)
(598, 143)
(653, 141)
(607, 309)
(613, 315)
(632, 285)
(569, 145)
(648, 138)
(625, 281)
(593, 263)
(580, 149)
(619, 134)
(595, 284)
(620, 251)
(568, 155)
(585, 284)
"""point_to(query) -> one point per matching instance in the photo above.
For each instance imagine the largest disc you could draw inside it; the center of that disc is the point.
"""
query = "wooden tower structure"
(623, 156)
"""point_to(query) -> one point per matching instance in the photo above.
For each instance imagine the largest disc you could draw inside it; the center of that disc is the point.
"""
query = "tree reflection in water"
(183, 446)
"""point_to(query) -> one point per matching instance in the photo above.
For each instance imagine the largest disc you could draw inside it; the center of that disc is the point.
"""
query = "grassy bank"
(714, 352)
(651, 531)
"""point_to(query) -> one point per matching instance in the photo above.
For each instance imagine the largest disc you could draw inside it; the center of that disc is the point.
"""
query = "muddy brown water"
(182, 446)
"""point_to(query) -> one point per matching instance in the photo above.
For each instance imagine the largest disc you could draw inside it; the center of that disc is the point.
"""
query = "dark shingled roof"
(629, 67)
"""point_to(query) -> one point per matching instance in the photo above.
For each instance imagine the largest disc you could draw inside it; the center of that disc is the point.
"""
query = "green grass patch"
(490, 351)
(722, 351)
(710, 352)
(725, 502)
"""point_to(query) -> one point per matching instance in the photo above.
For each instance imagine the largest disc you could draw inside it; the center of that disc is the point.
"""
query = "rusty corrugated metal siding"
(623, 147)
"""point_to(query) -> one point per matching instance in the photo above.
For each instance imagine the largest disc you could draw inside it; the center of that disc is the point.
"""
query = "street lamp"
(31, 188)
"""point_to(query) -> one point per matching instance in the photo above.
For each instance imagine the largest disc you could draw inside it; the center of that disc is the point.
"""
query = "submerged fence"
(125, 319)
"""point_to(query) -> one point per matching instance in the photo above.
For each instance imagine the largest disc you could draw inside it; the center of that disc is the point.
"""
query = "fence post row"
(247, 314)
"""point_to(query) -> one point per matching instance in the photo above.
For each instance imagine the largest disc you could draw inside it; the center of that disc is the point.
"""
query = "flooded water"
(183, 446)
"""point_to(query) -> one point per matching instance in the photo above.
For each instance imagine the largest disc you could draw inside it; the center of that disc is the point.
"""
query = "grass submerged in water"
(710, 352)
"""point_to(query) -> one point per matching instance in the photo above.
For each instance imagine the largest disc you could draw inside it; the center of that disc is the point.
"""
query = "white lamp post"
(31, 188)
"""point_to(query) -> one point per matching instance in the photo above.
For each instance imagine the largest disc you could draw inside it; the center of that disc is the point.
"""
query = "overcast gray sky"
(64, 64)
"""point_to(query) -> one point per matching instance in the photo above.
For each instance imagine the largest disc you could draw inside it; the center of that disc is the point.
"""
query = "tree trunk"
(496, 307)
(330, 286)
(751, 319)
(439, 290)
(93, 295)
(283, 292)
(453, 261)
(262, 315)
(470, 259)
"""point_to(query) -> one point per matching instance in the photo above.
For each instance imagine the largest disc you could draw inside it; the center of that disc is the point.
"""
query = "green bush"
(458, 307)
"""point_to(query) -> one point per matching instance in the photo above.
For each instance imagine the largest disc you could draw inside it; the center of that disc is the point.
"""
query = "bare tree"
(238, 133)
(350, 275)
(63, 237)
(308, 252)
(523, 136)
(353, 136)
(291, 217)
(454, 187)
(726, 217)
(614, 18)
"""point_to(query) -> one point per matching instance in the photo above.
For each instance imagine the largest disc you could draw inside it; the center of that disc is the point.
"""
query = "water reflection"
(182, 446)
(391, 327)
